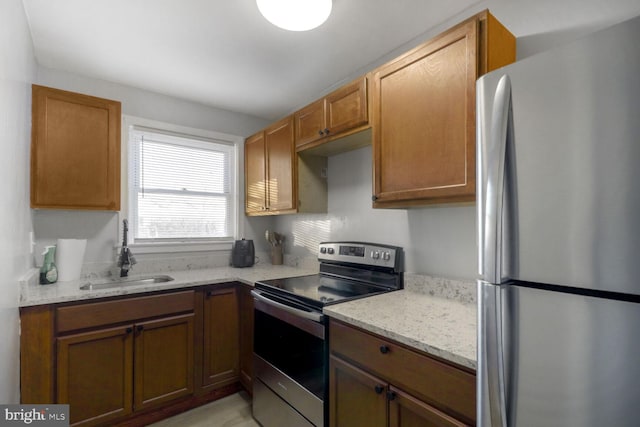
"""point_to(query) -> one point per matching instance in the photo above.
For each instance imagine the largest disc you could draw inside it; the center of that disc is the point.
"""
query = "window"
(181, 187)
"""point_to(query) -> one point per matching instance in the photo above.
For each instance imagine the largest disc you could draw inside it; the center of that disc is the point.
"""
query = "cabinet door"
(281, 187)
(310, 123)
(255, 174)
(95, 374)
(75, 151)
(221, 337)
(163, 360)
(346, 108)
(424, 122)
(246, 336)
(407, 411)
(357, 399)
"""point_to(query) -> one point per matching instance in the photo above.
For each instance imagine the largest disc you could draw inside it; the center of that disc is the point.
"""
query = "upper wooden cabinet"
(423, 114)
(279, 181)
(75, 151)
(342, 110)
(270, 186)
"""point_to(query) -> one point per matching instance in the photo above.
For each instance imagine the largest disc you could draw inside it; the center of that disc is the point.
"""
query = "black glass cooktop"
(319, 290)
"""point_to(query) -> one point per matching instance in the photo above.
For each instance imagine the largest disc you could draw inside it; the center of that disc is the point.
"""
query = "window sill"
(177, 247)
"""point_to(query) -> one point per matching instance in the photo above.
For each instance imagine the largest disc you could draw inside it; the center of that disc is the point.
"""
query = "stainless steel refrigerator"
(559, 236)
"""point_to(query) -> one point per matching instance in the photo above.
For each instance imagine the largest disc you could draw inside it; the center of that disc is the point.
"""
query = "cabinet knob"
(139, 328)
(374, 198)
(391, 395)
(321, 132)
(326, 131)
(384, 349)
(129, 330)
(379, 389)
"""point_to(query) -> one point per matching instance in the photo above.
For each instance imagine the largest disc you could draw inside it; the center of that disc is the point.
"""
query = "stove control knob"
(386, 256)
(375, 254)
(323, 250)
(330, 251)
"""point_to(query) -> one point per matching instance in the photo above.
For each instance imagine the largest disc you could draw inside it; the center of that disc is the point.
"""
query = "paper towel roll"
(69, 258)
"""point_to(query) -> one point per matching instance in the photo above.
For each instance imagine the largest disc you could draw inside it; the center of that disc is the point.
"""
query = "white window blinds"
(181, 187)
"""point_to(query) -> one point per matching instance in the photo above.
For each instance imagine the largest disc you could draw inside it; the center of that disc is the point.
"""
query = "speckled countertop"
(421, 316)
(435, 315)
(34, 294)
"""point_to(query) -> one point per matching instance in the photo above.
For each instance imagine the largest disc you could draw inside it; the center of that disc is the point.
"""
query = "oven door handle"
(316, 317)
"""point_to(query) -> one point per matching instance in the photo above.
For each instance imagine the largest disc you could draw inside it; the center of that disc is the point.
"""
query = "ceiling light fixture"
(295, 15)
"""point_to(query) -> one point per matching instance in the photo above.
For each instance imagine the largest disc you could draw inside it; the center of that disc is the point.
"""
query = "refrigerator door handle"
(493, 196)
(491, 354)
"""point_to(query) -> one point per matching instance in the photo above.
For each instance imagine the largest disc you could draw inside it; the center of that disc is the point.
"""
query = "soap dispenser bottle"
(49, 271)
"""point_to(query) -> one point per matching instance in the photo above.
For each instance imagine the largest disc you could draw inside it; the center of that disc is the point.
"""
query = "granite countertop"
(440, 326)
(435, 315)
(32, 293)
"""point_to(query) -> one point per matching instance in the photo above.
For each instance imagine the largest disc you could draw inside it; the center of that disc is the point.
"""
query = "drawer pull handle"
(384, 349)
(379, 389)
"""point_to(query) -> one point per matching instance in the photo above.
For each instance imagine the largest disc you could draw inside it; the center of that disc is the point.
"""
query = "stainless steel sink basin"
(125, 281)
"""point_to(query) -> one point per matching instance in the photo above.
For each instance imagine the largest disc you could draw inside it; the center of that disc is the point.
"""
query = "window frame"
(173, 246)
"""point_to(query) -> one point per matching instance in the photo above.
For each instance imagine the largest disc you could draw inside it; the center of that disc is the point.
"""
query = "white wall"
(101, 228)
(17, 71)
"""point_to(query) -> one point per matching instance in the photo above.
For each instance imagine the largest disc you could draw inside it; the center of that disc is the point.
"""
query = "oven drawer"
(442, 385)
(289, 390)
(271, 411)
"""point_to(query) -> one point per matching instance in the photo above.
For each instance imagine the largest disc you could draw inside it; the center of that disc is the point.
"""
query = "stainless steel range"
(291, 335)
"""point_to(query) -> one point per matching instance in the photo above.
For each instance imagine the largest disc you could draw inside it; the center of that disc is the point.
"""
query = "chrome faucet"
(126, 259)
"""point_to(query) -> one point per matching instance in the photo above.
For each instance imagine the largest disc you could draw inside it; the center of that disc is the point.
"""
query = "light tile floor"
(231, 411)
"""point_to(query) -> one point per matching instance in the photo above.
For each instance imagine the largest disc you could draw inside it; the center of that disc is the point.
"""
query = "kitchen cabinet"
(344, 109)
(221, 336)
(245, 301)
(75, 151)
(423, 114)
(109, 359)
(277, 181)
(374, 381)
(271, 152)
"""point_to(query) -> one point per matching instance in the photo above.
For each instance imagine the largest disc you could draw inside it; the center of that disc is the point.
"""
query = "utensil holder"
(276, 255)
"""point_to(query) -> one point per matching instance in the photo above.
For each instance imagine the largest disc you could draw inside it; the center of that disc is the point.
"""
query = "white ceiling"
(223, 53)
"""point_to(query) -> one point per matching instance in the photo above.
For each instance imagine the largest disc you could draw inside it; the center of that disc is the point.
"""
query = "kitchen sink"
(125, 281)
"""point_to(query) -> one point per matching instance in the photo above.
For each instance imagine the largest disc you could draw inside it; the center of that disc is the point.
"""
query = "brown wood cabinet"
(245, 301)
(75, 151)
(374, 381)
(342, 110)
(270, 170)
(135, 360)
(221, 336)
(277, 180)
(163, 360)
(95, 374)
(423, 114)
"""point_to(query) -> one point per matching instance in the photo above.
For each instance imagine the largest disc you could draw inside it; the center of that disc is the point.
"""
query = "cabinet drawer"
(102, 313)
(444, 386)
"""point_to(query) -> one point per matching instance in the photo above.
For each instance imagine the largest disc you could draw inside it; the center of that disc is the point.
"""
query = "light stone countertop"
(33, 293)
(435, 315)
(442, 327)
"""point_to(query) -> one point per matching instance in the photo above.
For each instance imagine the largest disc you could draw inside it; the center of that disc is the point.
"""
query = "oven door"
(290, 353)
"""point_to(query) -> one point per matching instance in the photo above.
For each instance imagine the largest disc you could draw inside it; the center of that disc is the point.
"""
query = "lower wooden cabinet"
(221, 340)
(163, 360)
(375, 382)
(137, 359)
(95, 374)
